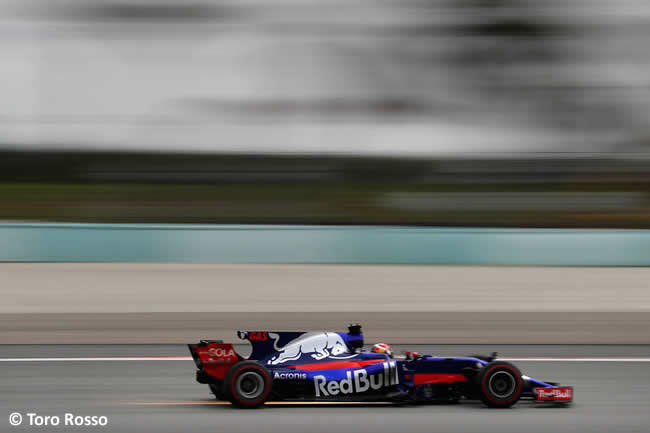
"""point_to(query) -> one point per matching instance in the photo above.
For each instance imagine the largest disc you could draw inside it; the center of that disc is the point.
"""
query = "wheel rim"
(250, 384)
(502, 384)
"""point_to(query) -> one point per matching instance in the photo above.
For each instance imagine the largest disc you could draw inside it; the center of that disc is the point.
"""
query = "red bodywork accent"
(421, 378)
(217, 358)
(564, 393)
(333, 365)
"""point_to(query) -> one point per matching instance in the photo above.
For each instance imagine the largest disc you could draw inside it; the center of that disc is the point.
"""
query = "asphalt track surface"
(612, 392)
(126, 303)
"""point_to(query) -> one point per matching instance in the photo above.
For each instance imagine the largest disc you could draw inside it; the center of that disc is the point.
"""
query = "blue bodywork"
(332, 366)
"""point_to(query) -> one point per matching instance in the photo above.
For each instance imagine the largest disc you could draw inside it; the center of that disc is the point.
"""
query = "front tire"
(500, 384)
(247, 384)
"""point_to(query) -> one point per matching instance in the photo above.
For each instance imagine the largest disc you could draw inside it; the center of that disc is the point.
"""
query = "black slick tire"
(500, 384)
(247, 384)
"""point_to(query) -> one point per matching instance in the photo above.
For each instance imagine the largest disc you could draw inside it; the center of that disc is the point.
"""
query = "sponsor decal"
(258, 336)
(357, 381)
(555, 394)
(253, 335)
(289, 375)
(318, 346)
(218, 352)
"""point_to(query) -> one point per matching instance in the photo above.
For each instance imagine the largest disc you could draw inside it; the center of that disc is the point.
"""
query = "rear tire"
(247, 384)
(500, 384)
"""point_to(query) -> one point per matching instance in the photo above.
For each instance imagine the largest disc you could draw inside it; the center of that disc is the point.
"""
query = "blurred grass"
(309, 203)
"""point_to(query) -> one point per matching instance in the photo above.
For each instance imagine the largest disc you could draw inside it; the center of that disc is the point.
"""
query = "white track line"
(189, 358)
(576, 359)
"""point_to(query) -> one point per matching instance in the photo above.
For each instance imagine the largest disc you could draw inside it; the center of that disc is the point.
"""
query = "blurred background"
(476, 114)
(431, 112)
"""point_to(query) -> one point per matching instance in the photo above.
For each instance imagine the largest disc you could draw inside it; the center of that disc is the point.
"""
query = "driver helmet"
(382, 348)
(410, 356)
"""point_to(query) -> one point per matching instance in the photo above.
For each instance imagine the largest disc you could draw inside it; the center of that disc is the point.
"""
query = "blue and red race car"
(331, 366)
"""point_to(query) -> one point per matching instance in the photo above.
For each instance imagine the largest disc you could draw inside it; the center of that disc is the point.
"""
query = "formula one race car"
(331, 366)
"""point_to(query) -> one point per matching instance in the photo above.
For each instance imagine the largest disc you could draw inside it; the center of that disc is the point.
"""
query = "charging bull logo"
(357, 381)
(319, 346)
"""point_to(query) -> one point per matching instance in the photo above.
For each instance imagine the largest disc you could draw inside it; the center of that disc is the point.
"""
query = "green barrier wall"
(321, 244)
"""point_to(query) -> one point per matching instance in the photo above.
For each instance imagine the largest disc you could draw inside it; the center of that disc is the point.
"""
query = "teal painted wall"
(321, 244)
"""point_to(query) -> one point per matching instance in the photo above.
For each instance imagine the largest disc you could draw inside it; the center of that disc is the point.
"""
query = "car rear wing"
(214, 357)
